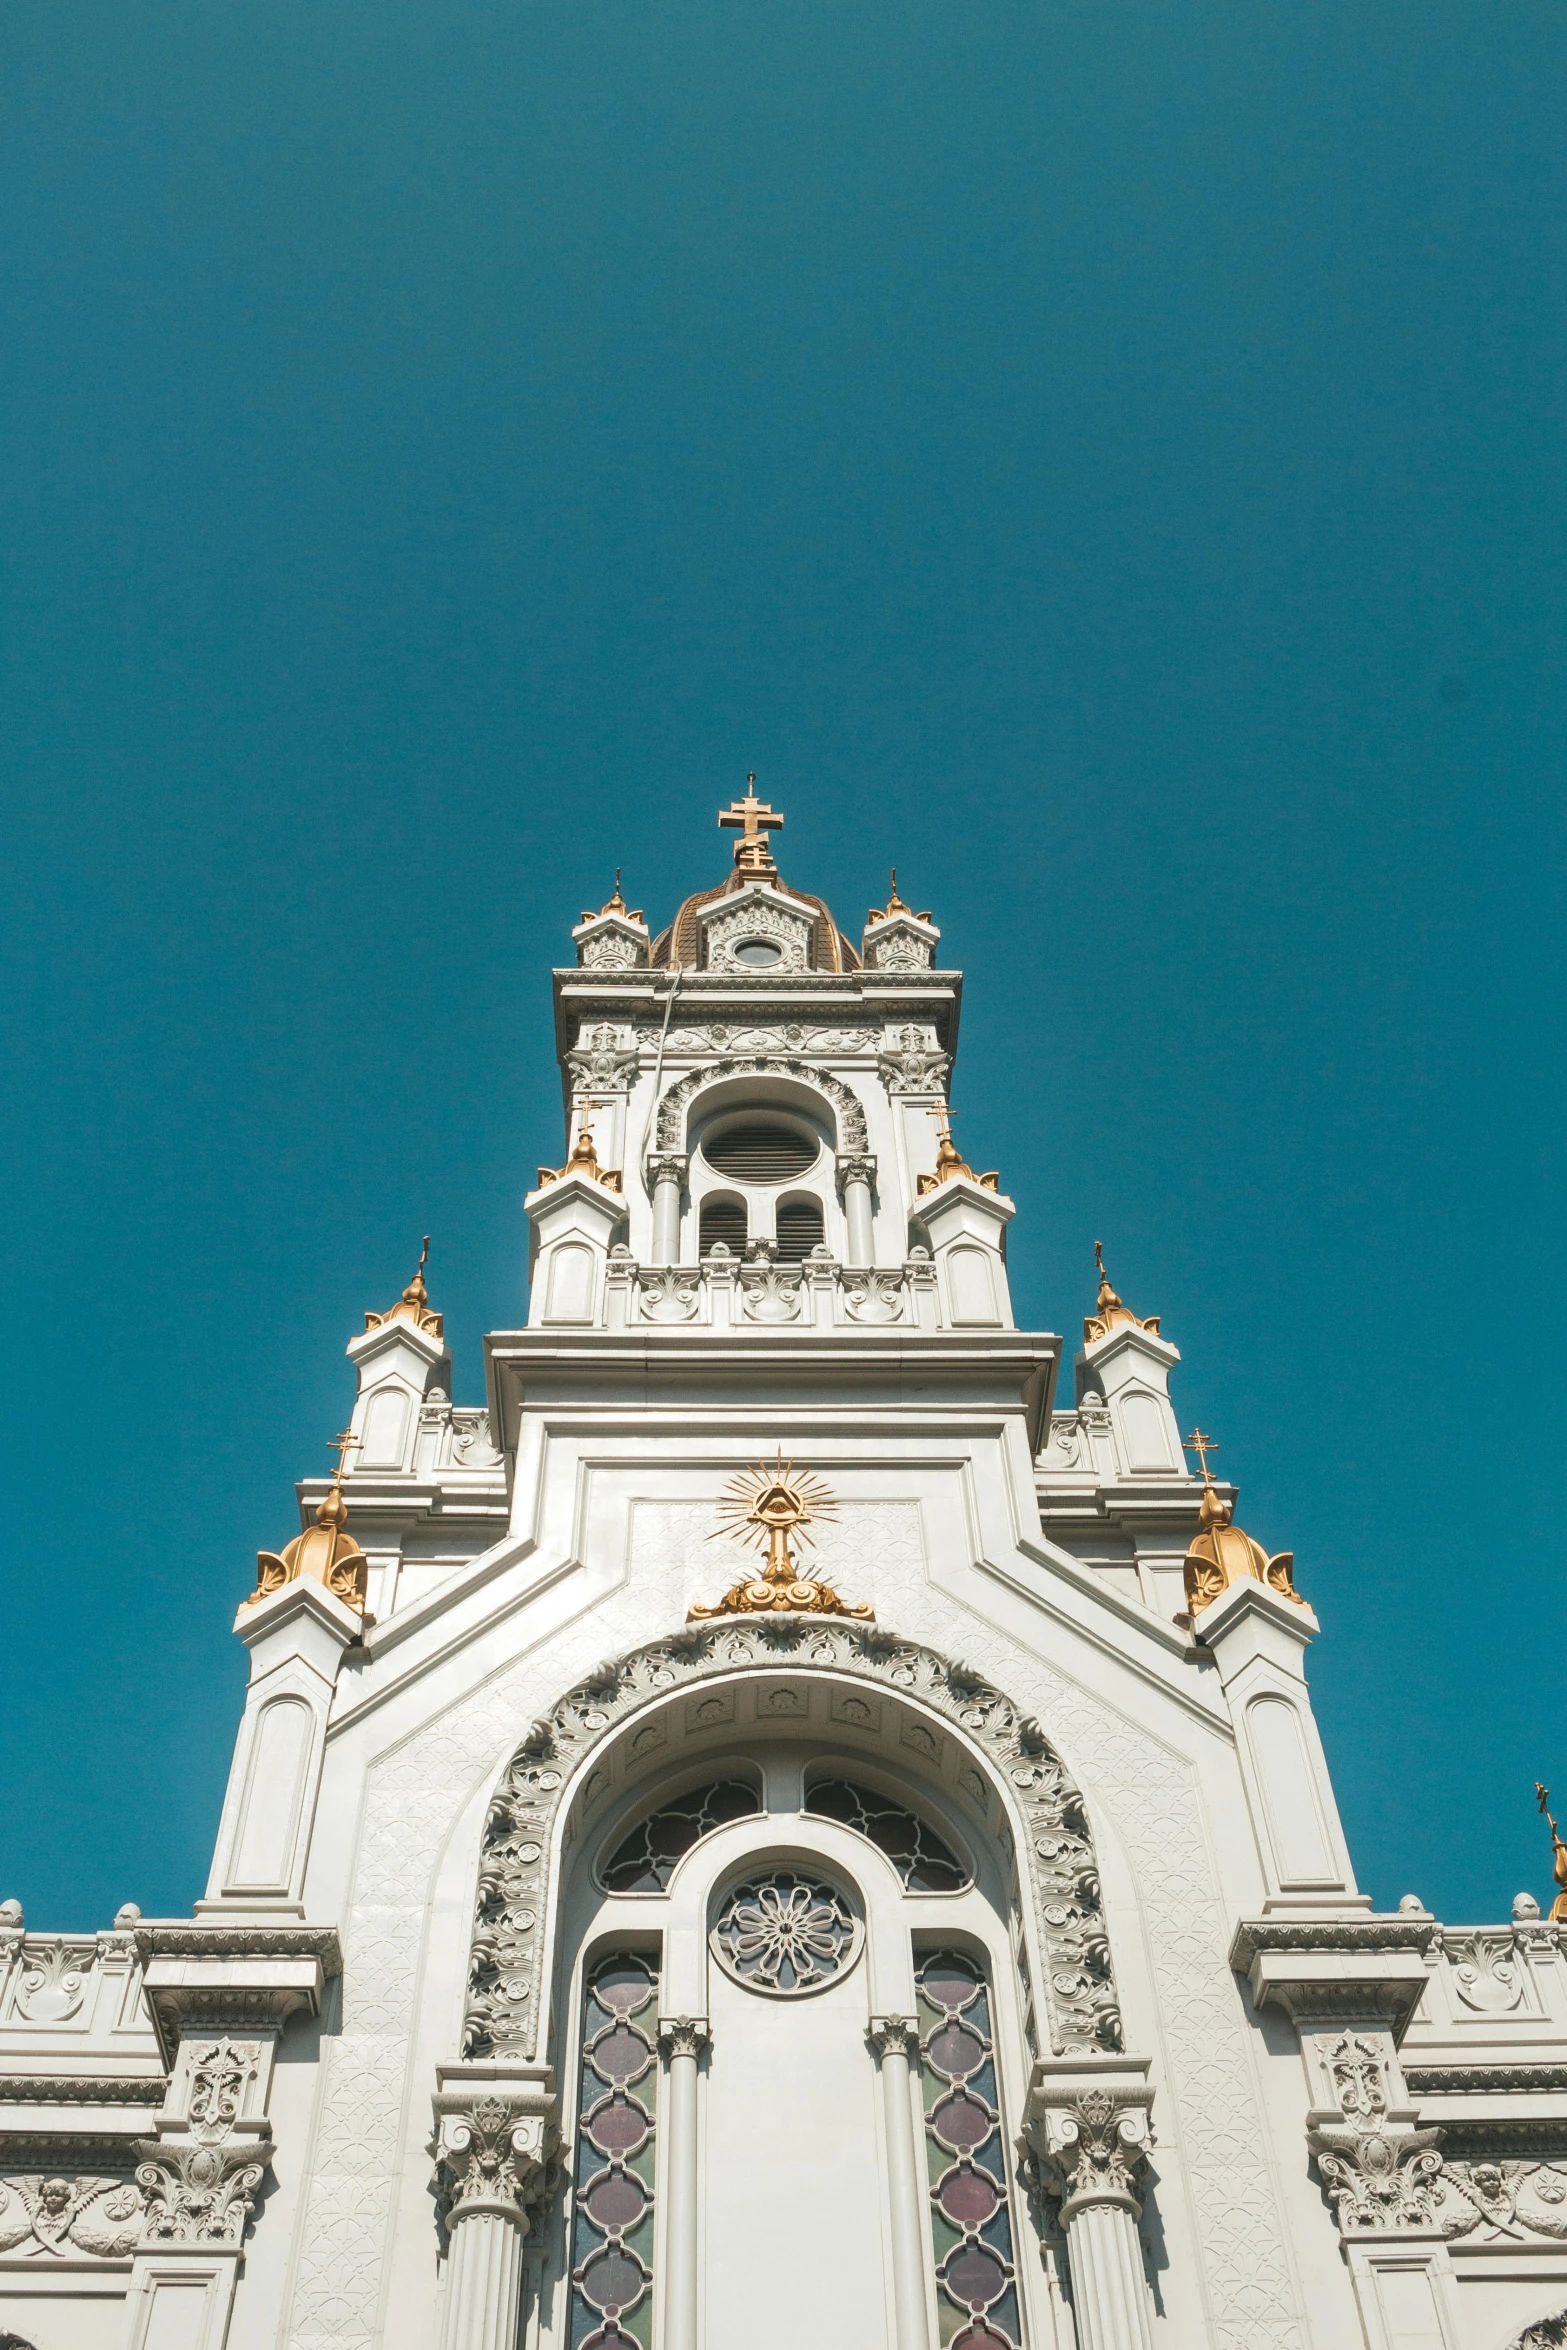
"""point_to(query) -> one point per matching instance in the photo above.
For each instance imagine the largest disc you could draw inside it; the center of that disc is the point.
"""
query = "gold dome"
(325, 1553)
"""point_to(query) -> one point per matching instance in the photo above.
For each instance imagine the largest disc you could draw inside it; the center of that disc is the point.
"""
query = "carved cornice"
(201, 1938)
(83, 2089)
(1347, 1937)
(1473, 2080)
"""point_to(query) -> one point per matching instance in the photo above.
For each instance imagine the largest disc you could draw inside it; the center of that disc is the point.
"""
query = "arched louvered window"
(760, 1150)
(723, 1219)
(800, 1229)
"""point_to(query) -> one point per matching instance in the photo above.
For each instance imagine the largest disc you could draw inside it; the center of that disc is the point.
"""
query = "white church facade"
(796, 1825)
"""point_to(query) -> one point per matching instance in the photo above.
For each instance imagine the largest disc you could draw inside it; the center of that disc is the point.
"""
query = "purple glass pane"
(975, 2277)
(617, 2126)
(612, 2280)
(977, 2336)
(622, 1985)
(614, 2202)
(955, 2052)
(620, 2055)
(961, 2122)
(947, 1983)
(968, 2197)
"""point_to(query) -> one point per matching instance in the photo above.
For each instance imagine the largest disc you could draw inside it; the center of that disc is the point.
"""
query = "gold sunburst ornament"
(771, 1506)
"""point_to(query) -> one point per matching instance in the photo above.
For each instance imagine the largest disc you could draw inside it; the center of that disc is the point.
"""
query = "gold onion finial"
(1220, 1552)
(753, 819)
(613, 904)
(1110, 1309)
(894, 905)
(1542, 1797)
(326, 1552)
(583, 1160)
(767, 1506)
(949, 1162)
(414, 1304)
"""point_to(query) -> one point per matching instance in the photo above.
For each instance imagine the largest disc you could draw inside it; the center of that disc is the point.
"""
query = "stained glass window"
(925, 1864)
(617, 2114)
(645, 1861)
(784, 1932)
(971, 2223)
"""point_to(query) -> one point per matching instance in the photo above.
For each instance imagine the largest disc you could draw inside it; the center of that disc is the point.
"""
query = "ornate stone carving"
(221, 2073)
(41, 2216)
(910, 1063)
(792, 1036)
(1080, 1999)
(54, 1980)
(897, 2035)
(1549, 2333)
(872, 1296)
(770, 1292)
(900, 950)
(668, 1293)
(199, 2194)
(600, 1063)
(753, 918)
(1503, 2201)
(1064, 1450)
(472, 1445)
(1092, 2149)
(611, 950)
(1485, 1971)
(852, 1134)
(684, 2035)
(493, 2154)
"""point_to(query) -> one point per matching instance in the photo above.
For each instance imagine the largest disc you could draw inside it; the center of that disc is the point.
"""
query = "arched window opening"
(922, 1860)
(617, 2118)
(644, 1861)
(971, 2220)
(723, 1219)
(760, 1150)
(800, 1229)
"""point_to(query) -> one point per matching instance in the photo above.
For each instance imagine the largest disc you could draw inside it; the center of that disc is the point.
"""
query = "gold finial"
(414, 1304)
(894, 905)
(1221, 1553)
(766, 1506)
(613, 904)
(1542, 1797)
(949, 1162)
(753, 819)
(326, 1552)
(1110, 1308)
(583, 1160)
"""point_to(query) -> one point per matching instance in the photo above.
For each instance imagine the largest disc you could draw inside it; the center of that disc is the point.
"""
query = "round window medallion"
(784, 1933)
(759, 951)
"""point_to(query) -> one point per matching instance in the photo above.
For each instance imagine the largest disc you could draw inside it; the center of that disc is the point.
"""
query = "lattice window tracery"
(971, 2220)
(785, 1933)
(617, 2117)
(644, 1861)
(922, 1860)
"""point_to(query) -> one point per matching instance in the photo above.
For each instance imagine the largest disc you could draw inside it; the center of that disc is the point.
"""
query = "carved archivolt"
(852, 1135)
(1056, 1848)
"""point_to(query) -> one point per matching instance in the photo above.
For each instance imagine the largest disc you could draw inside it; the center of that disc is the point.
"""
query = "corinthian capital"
(894, 2035)
(493, 2154)
(1090, 2130)
(684, 2035)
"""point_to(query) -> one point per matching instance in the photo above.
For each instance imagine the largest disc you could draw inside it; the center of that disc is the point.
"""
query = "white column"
(492, 2163)
(895, 2038)
(857, 1176)
(1088, 2126)
(668, 1175)
(682, 2038)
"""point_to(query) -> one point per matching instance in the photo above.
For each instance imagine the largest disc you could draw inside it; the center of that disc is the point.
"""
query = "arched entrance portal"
(789, 2002)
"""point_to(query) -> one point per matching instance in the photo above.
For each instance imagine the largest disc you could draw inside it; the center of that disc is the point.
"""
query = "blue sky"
(1105, 459)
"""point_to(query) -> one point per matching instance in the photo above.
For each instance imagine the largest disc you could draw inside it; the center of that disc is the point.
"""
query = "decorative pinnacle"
(1111, 1310)
(414, 1304)
(894, 905)
(613, 904)
(1542, 1797)
(753, 819)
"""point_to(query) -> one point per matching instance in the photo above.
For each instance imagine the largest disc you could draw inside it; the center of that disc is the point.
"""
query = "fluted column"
(668, 1173)
(1090, 2133)
(682, 2039)
(493, 2162)
(857, 1174)
(896, 2040)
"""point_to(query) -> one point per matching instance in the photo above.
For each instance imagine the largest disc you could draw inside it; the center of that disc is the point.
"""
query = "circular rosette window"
(786, 1933)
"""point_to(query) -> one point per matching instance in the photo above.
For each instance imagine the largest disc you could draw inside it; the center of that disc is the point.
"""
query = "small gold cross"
(750, 815)
(1202, 1445)
(348, 1442)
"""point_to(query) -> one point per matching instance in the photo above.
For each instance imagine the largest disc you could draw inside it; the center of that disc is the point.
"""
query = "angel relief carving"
(44, 2217)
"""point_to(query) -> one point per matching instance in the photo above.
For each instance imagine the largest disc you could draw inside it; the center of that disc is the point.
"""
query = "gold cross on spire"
(347, 1442)
(753, 819)
(1202, 1445)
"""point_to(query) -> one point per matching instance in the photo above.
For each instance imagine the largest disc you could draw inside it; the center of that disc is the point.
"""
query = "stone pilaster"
(1089, 2128)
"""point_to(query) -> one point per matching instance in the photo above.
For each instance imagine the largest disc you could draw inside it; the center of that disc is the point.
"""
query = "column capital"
(493, 2153)
(667, 1167)
(856, 1167)
(684, 2035)
(1089, 2126)
(894, 2035)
